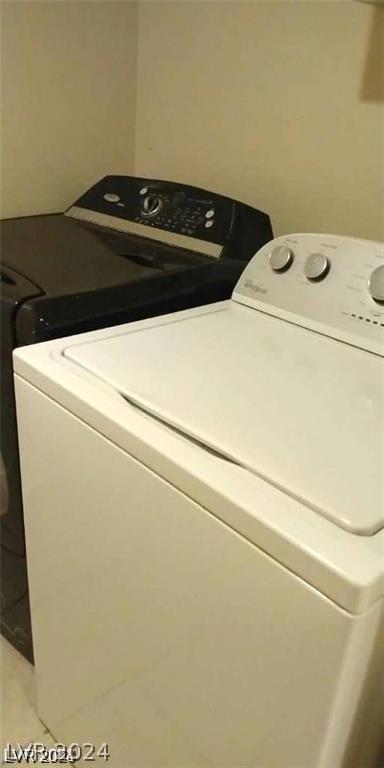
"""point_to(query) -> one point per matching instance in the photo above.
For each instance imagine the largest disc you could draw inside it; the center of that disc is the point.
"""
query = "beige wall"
(278, 103)
(68, 89)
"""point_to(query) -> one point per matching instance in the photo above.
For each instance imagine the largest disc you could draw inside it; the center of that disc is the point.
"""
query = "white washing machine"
(204, 509)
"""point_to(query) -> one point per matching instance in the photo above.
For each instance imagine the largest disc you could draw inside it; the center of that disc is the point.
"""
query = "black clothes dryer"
(129, 248)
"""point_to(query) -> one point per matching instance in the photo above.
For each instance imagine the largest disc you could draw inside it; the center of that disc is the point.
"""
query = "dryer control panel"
(177, 214)
(328, 283)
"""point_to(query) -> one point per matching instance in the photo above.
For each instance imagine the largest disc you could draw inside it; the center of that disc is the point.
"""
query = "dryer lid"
(302, 411)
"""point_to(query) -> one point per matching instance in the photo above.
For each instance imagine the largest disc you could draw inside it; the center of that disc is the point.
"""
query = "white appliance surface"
(267, 395)
(204, 507)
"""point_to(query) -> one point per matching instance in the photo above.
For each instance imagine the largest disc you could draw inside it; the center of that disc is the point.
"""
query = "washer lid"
(303, 411)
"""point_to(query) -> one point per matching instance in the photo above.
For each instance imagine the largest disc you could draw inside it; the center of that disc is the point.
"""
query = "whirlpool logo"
(254, 287)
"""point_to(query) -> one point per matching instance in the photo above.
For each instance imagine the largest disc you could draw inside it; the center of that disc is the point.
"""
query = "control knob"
(281, 258)
(316, 266)
(151, 205)
(376, 284)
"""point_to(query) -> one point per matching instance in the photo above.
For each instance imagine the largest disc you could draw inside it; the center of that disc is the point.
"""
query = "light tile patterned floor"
(19, 723)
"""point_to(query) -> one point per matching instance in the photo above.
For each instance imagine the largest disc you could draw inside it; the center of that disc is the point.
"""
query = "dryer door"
(15, 615)
(15, 289)
(4, 489)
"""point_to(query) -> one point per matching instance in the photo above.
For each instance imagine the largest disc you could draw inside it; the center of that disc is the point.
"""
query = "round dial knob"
(376, 284)
(281, 258)
(317, 266)
(151, 205)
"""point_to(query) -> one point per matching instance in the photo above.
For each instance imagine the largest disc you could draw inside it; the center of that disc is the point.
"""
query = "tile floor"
(19, 721)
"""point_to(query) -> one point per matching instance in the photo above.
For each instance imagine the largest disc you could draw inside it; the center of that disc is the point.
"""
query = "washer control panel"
(328, 283)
